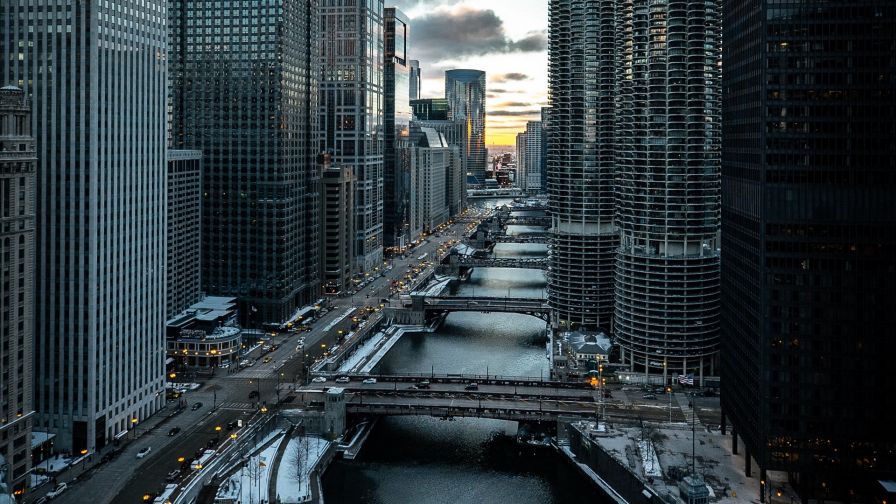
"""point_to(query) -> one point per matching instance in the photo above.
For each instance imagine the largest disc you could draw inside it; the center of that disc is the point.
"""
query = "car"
(253, 394)
(173, 475)
(174, 431)
(369, 381)
(56, 492)
(472, 386)
(423, 384)
(649, 396)
(42, 500)
(343, 379)
(144, 452)
(196, 406)
(319, 379)
(224, 365)
(266, 360)
(233, 425)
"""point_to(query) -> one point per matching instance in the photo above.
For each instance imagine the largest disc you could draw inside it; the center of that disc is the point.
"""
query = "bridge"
(530, 220)
(499, 262)
(419, 310)
(524, 238)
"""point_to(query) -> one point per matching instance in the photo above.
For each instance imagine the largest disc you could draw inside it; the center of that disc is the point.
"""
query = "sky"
(505, 38)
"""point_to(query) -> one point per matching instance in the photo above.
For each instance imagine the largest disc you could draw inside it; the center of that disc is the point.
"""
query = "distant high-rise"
(667, 140)
(351, 113)
(184, 230)
(580, 162)
(416, 80)
(95, 77)
(454, 133)
(396, 121)
(809, 241)
(431, 109)
(246, 97)
(432, 161)
(545, 146)
(465, 92)
(529, 156)
(17, 255)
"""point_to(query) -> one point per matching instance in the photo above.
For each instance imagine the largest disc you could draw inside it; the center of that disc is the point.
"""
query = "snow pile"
(294, 474)
(362, 353)
(649, 460)
(250, 484)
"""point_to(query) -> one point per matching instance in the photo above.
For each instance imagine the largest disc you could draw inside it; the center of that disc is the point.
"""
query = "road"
(126, 479)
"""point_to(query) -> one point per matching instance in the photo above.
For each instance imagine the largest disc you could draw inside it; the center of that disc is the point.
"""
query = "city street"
(126, 479)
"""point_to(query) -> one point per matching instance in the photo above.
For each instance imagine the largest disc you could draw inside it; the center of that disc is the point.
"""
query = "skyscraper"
(184, 230)
(529, 156)
(430, 109)
(545, 146)
(809, 240)
(580, 163)
(96, 82)
(416, 80)
(396, 121)
(248, 102)
(351, 113)
(17, 255)
(667, 140)
(465, 91)
(454, 134)
(337, 222)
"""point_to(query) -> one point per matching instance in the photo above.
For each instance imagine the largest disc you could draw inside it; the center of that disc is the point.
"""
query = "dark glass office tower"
(430, 109)
(465, 92)
(809, 239)
(580, 162)
(245, 94)
(396, 120)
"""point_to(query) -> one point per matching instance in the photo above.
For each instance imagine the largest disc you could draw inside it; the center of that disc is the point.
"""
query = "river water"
(422, 460)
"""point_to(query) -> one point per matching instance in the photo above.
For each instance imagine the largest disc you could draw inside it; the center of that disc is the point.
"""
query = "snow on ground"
(361, 353)
(250, 484)
(38, 480)
(55, 463)
(463, 249)
(339, 319)
(649, 460)
(294, 474)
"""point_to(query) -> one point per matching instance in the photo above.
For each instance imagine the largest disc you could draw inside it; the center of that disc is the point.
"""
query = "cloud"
(465, 31)
(514, 113)
(508, 77)
(513, 104)
(407, 5)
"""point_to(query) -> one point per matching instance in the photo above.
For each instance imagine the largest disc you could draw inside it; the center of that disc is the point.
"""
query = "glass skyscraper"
(351, 112)
(244, 86)
(580, 162)
(95, 75)
(809, 240)
(465, 92)
(396, 121)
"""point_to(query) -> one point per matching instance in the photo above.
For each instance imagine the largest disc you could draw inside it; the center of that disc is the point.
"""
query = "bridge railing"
(482, 379)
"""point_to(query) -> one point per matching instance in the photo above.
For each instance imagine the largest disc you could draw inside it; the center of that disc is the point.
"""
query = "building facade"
(667, 139)
(454, 133)
(545, 146)
(248, 102)
(396, 121)
(809, 241)
(431, 109)
(337, 243)
(99, 122)
(18, 160)
(184, 286)
(416, 80)
(465, 92)
(433, 163)
(351, 113)
(529, 157)
(580, 163)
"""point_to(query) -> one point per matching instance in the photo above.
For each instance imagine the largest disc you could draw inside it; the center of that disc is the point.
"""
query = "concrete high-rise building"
(465, 92)
(454, 133)
(434, 163)
(337, 243)
(809, 242)
(245, 91)
(396, 123)
(529, 157)
(545, 146)
(416, 80)
(95, 77)
(430, 109)
(17, 255)
(184, 230)
(351, 113)
(667, 139)
(580, 163)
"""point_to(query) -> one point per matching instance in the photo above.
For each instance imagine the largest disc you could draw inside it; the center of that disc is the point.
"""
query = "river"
(423, 460)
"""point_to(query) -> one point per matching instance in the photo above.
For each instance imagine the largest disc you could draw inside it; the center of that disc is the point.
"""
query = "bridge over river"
(418, 309)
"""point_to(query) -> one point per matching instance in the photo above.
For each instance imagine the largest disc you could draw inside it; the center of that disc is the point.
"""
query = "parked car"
(196, 406)
(472, 386)
(369, 381)
(56, 492)
(174, 431)
(144, 452)
(343, 379)
(319, 379)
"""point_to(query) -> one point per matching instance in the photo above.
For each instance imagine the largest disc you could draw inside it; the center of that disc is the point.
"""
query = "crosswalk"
(238, 406)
